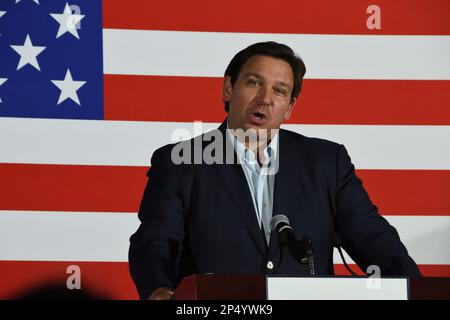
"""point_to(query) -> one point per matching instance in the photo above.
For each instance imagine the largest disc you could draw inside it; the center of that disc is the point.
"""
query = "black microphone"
(280, 224)
(300, 250)
(337, 245)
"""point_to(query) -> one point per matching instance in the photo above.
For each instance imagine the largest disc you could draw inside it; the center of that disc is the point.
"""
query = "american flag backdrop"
(89, 89)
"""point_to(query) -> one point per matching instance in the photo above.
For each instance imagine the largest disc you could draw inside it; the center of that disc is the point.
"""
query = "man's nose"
(264, 95)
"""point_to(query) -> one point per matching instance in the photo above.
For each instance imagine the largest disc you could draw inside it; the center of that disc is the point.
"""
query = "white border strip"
(89, 142)
(321, 288)
(206, 54)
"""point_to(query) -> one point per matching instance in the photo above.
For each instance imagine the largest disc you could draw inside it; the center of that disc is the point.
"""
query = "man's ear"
(289, 110)
(227, 89)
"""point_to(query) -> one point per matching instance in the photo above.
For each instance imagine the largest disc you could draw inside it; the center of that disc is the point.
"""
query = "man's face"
(261, 96)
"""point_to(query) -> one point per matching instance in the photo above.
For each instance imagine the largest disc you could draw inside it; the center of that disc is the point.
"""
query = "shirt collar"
(247, 156)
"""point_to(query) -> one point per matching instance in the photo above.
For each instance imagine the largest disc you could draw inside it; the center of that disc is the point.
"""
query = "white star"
(2, 81)
(67, 21)
(28, 53)
(2, 13)
(36, 1)
(68, 88)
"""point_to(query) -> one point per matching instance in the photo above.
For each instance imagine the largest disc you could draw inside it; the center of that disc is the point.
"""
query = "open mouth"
(259, 115)
(258, 118)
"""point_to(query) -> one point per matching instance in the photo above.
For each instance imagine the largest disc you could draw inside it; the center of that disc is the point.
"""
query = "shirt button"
(264, 204)
(270, 265)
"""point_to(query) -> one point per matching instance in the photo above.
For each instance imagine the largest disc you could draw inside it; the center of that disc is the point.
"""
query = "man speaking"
(215, 216)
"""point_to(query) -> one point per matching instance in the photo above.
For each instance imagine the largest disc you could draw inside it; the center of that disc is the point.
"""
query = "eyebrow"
(252, 74)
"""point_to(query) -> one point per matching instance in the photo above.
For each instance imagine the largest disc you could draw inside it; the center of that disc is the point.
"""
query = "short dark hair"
(270, 49)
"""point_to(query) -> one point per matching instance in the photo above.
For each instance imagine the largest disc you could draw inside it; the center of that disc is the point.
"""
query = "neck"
(254, 139)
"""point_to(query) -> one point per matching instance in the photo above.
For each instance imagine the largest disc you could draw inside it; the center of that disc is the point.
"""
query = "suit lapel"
(286, 178)
(285, 183)
(233, 177)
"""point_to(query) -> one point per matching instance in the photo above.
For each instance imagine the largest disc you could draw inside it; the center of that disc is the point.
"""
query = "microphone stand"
(309, 255)
(302, 251)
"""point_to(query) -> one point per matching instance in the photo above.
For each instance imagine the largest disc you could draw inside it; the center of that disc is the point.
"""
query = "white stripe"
(386, 146)
(182, 53)
(65, 236)
(88, 142)
(425, 237)
(82, 236)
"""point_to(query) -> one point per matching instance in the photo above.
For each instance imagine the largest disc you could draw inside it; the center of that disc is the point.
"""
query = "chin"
(253, 127)
(258, 129)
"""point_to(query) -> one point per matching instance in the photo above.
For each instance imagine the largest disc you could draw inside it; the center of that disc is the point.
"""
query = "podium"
(259, 287)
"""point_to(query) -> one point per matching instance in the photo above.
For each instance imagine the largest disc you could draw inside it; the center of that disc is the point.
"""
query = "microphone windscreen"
(276, 220)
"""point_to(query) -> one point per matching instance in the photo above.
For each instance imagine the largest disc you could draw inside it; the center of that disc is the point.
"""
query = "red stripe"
(371, 102)
(71, 187)
(185, 99)
(119, 189)
(107, 280)
(419, 192)
(155, 98)
(285, 16)
(427, 270)
(340, 270)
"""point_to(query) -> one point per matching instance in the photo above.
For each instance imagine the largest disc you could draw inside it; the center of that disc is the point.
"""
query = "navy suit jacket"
(200, 218)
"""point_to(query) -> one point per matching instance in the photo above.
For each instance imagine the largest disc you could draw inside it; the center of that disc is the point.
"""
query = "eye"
(280, 91)
(254, 82)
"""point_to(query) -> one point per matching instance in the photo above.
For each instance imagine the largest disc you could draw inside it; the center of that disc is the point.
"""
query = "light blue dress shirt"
(260, 179)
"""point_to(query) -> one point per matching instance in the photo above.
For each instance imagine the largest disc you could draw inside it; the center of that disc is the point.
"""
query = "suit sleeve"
(366, 236)
(155, 246)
